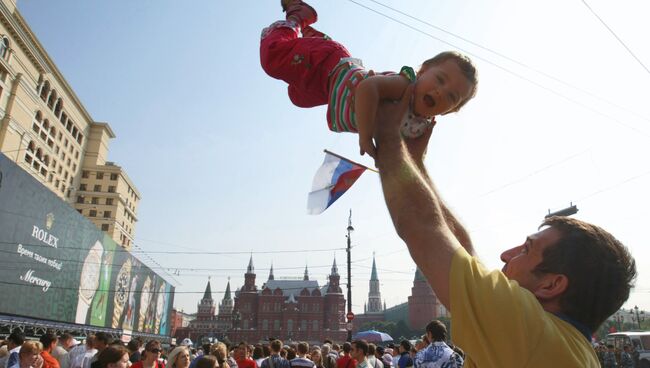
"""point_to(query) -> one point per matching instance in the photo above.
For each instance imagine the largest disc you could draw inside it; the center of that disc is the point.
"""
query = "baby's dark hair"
(466, 66)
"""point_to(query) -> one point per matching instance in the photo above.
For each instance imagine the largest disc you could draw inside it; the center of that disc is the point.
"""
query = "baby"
(321, 71)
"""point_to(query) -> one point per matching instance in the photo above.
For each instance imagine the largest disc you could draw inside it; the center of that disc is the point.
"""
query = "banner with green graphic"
(57, 265)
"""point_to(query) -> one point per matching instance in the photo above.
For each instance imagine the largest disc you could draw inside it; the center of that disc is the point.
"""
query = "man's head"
(573, 268)
(346, 348)
(326, 348)
(276, 346)
(49, 341)
(405, 346)
(242, 350)
(302, 348)
(359, 350)
(66, 341)
(15, 340)
(101, 341)
(627, 348)
(436, 331)
(372, 349)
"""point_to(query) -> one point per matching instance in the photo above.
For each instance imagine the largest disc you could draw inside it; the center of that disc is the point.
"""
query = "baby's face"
(440, 88)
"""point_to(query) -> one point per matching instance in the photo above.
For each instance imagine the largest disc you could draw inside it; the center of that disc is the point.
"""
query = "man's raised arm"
(416, 210)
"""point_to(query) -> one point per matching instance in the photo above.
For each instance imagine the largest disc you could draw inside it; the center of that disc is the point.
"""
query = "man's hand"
(417, 147)
(390, 117)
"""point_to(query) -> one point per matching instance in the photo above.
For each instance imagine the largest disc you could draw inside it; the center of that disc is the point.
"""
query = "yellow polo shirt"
(500, 324)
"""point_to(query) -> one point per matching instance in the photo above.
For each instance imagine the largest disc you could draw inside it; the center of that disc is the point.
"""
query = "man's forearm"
(452, 222)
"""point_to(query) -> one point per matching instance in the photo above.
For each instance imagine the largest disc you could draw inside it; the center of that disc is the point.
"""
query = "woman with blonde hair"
(29, 355)
(179, 358)
(220, 351)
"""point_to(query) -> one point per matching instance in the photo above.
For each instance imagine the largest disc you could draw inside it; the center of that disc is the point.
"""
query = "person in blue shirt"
(405, 359)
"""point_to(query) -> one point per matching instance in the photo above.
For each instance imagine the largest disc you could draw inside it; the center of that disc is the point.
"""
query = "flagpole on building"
(347, 159)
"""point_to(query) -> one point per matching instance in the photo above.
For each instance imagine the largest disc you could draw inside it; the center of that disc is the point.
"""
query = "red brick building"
(289, 309)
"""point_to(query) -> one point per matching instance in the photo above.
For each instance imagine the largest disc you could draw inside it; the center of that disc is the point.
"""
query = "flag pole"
(347, 159)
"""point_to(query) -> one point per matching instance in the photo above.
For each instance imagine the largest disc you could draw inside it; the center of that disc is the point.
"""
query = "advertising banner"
(57, 265)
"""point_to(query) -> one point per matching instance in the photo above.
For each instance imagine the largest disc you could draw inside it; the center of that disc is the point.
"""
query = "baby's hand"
(366, 145)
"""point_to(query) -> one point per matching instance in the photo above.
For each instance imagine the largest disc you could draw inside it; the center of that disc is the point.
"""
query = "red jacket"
(49, 361)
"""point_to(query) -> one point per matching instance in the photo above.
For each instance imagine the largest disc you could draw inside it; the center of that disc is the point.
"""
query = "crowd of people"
(103, 351)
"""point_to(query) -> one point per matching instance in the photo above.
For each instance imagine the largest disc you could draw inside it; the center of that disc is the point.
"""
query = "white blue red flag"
(333, 178)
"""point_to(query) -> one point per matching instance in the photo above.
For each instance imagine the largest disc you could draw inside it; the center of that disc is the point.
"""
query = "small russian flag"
(333, 178)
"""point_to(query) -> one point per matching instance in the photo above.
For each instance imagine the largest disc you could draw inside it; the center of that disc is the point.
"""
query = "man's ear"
(551, 286)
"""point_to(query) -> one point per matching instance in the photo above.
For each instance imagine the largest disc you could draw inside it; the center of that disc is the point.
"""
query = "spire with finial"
(250, 268)
(271, 277)
(373, 275)
(306, 277)
(335, 270)
(208, 291)
(418, 275)
(227, 295)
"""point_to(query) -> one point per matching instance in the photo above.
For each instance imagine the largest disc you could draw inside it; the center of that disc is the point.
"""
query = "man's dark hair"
(600, 270)
(361, 345)
(327, 341)
(276, 346)
(103, 337)
(206, 361)
(17, 337)
(66, 337)
(133, 345)
(406, 345)
(347, 347)
(372, 348)
(303, 347)
(47, 340)
(438, 330)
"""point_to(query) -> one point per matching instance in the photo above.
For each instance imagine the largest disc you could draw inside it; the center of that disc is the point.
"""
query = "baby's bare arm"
(368, 95)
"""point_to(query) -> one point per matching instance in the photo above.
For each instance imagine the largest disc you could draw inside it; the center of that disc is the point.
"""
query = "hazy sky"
(224, 161)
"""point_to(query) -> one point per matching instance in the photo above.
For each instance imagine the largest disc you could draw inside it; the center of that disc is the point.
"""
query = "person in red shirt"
(346, 361)
(49, 341)
(243, 358)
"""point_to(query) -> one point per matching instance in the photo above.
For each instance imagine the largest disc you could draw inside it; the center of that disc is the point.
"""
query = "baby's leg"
(303, 63)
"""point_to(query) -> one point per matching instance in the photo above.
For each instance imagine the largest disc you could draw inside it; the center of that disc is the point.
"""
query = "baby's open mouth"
(429, 101)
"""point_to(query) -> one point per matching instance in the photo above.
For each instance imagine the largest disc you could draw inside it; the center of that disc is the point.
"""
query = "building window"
(100, 175)
(289, 325)
(111, 189)
(82, 186)
(113, 176)
(97, 188)
(303, 325)
(109, 201)
(314, 326)
(265, 324)
(104, 227)
(245, 324)
(4, 47)
(92, 213)
(276, 324)
(80, 199)
(94, 200)
(107, 214)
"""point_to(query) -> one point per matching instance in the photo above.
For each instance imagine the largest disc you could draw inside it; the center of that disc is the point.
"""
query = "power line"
(502, 68)
(616, 36)
(520, 63)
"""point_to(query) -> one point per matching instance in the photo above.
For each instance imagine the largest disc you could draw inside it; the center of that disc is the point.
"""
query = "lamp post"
(349, 248)
(637, 316)
(619, 318)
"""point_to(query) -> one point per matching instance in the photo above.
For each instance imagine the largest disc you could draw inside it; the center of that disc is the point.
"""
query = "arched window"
(53, 131)
(58, 107)
(4, 47)
(38, 116)
(289, 325)
(50, 101)
(39, 154)
(45, 91)
(46, 125)
(31, 146)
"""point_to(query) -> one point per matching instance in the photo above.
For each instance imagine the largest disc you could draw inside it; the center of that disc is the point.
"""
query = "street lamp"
(619, 318)
(637, 316)
(349, 248)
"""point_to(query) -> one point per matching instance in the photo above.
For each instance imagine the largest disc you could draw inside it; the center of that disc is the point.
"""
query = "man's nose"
(508, 254)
